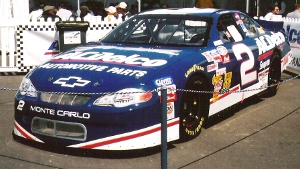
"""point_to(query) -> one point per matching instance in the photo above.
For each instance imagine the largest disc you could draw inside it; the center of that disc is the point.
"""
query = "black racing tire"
(274, 75)
(194, 108)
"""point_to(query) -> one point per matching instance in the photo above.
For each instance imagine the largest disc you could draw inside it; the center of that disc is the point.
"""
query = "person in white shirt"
(110, 14)
(275, 11)
(295, 13)
(34, 15)
(63, 12)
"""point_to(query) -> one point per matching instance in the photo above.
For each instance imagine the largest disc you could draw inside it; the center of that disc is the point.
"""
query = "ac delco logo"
(111, 57)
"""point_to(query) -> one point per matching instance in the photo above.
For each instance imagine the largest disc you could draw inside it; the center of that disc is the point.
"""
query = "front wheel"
(194, 108)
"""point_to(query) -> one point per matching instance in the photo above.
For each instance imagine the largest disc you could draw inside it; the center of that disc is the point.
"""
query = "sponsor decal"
(221, 84)
(217, 81)
(171, 93)
(227, 80)
(62, 113)
(208, 56)
(218, 85)
(193, 69)
(215, 55)
(170, 110)
(243, 27)
(293, 35)
(224, 54)
(222, 50)
(267, 42)
(109, 57)
(97, 68)
(163, 81)
(237, 17)
(263, 78)
(127, 72)
(212, 67)
(72, 81)
(218, 42)
(295, 61)
(264, 64)
(220, 54)
(221, 71)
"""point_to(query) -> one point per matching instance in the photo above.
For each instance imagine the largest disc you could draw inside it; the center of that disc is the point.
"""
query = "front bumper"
(91, 129)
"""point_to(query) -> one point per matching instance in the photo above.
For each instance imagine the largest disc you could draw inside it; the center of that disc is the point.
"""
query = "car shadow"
(229, 112)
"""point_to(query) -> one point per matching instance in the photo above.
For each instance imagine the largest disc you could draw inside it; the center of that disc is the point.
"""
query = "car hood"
(99, 67)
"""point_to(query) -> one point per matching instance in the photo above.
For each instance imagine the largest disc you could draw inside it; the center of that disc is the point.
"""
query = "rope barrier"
(151, 91)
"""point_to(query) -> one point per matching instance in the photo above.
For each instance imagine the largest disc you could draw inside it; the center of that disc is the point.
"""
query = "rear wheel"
(274, 74)
(194, 109)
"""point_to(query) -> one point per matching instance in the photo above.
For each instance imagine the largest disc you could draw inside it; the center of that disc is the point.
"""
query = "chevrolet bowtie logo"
(72, 81)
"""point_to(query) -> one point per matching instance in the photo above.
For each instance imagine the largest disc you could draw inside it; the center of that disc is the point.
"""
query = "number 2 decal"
(21, 105)
(247, 73)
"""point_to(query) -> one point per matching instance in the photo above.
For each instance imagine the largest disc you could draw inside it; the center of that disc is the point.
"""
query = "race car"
(106, 95)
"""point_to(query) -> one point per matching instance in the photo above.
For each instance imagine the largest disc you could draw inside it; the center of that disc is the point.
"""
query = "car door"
(237, 64)
(239, 40)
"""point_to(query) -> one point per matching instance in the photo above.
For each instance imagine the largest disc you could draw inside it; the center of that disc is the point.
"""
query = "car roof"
(185, 11)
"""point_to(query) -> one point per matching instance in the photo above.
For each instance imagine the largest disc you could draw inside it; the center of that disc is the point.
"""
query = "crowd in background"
(279, 8)
(89, 8)
(124, 10)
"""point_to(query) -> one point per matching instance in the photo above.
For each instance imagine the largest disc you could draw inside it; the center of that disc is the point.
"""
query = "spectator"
(122, 11)
(34, 15)
(63, 12)
(50, 12)
(282, 7)
(164, 6)
(110, 14)
(87, 4)
(85, 13)
(134, 9)
(91, 5)
(99, 9)
(156, 6)
(274, 11)
(204, 4)
(295, 13)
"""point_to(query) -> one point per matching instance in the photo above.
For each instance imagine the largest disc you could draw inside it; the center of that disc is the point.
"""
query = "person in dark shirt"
(282, 7)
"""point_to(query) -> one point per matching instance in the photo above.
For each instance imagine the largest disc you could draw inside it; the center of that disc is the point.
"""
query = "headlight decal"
(124, 98)
(27, 88)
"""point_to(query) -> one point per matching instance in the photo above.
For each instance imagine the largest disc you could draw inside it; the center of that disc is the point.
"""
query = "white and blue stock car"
(103, 95)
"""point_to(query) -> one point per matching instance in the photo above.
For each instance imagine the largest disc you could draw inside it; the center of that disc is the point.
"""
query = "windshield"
(161, 30)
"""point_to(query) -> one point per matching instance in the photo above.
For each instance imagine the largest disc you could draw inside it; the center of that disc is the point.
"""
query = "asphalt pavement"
(260, 133)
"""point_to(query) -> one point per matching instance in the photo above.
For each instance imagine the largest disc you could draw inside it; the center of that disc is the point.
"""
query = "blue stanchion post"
(164, 155)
